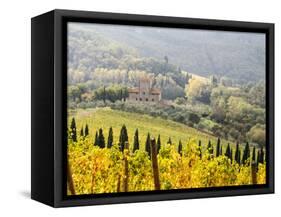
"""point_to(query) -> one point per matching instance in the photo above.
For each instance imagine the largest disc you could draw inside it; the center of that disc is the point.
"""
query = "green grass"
(106, 117)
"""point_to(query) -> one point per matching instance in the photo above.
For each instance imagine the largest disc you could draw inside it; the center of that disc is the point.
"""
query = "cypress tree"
(73, 130)
(254, 154)
(231, 155)
(218, 147)
(210, 148)
(101, 139)
(96, 142)
(82, 132)
(110, 138)
(136, 141)
(200, 149)
(239, 157)
(147, 145)
(121, 94)
(209, 145)
(86, 130)
(227, 152)
(126, 138)
(262, 156)
(237, 152)
(258, 157)
(180, 148)
(169, 141)
(221, 150)
(246, 153)
(158, 144)
(123, 138)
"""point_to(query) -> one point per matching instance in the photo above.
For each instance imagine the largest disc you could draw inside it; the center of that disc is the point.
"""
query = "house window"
(136, 99)
(140, 99)
(143, 93)
(152, 100)
(146, 99)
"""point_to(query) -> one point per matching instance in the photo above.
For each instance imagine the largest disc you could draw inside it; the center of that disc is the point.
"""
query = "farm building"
(144, 92)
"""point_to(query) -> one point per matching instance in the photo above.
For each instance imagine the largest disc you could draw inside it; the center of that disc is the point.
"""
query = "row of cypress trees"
(123, 137)
(237, 155)
(83, 132)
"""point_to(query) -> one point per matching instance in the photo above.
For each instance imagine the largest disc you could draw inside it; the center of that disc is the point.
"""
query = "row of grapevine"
(122, 167)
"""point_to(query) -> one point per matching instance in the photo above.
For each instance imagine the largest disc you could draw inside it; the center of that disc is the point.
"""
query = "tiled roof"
(133, 90)
(155, 91)
(145, 79)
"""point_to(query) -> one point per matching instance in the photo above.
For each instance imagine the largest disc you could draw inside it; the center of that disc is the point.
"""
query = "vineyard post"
(118, 183)
(254, 173)
(69, 179)
(126, 167)
(155, 164)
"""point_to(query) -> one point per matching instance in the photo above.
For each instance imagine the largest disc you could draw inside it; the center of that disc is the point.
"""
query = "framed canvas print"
(134, 108)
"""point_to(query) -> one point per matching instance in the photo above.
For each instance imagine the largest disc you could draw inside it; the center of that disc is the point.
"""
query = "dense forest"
(228, 101)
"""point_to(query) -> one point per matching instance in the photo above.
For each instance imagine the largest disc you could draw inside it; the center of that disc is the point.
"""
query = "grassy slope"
(105, 117)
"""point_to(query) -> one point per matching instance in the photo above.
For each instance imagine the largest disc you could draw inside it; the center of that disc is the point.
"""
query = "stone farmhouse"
(144, 92)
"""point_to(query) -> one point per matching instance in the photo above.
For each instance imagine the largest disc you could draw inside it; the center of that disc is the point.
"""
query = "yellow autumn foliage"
(96, 170)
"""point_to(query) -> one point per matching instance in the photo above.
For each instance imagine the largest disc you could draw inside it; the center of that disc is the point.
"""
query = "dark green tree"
(237, 153)
(82, 132)
(147, 145)
(180, 148)
(246, 153)
(158, 144)
(101, 139)
(86, 130)
(231, 155)
(125, 95)
(96, 142)
(123, 138)
(218, 147)
(187, 77)
(110, 138)
(221, 150)
(239, 157)
(258, 157)
(200, 149)
(169, 141)
(261, 160)
(136, 141)
(254, 154)
(73, 134)
(228, 151)
(210, 148)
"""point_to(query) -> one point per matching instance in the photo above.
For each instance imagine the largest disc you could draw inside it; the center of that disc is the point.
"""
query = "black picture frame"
(48, 74)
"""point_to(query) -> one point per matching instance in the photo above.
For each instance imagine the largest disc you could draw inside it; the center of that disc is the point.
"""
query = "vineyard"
(113, 151)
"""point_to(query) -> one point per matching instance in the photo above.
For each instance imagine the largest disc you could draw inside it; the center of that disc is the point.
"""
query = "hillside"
(219, 92)
(105, 118)
(239, 56)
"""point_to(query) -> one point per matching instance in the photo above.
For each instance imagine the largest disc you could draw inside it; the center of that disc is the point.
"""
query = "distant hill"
(239, 56)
